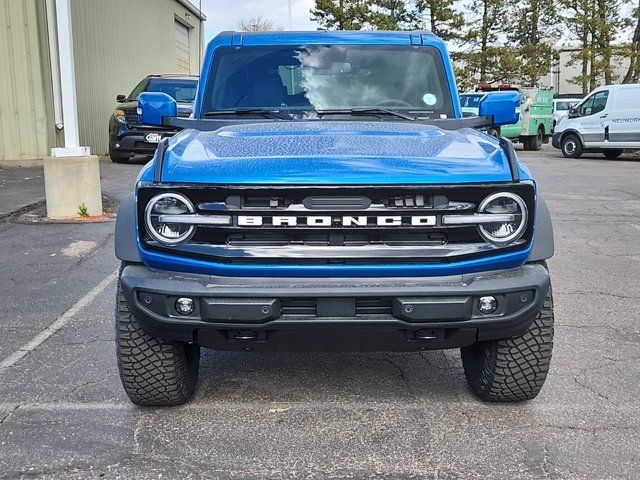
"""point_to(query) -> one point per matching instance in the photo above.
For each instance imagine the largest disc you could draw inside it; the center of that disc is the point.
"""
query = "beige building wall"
(116, 44)
(25, 87)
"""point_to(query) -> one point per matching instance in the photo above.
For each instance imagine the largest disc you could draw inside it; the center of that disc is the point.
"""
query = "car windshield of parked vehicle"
(565, 105)
(470, 101)
(594, 104)
(302, 79)
(181, 90)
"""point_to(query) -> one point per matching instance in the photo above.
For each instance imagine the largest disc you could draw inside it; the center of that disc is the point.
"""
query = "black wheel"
(512, 369)
(571, 146)
(613, 153)
(118, 157)
(154, 372)
(536, 142)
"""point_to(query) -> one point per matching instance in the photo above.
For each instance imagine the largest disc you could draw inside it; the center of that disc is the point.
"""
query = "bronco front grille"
(336, 225)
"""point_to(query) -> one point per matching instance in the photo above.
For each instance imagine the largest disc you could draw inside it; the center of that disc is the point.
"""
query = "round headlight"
(120, 116)
(158, 218)
(503, 203)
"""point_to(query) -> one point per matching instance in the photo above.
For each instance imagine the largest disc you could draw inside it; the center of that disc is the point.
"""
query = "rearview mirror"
(121, 98)
(501, 106)
(154, 106)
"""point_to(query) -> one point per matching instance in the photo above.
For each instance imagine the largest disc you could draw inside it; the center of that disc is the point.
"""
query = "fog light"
(487, 305)
(185, 306)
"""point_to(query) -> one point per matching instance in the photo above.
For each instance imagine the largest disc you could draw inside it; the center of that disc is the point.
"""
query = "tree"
(256, 24)
(440, 17)
(579, 19)
(596, 24)
(484, 29)
(609, 23)
(530, 32)
(633, 72)
(341, 14)
(390, 15)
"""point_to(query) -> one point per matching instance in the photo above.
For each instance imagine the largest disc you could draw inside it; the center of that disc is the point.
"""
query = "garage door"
(183, 56)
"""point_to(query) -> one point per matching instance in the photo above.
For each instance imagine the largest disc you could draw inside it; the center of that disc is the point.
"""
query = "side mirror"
(573, 113)
(121, 98)
(154, 106)
(501, 106)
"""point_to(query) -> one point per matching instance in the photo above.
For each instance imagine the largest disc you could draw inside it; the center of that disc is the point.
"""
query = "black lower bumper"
(555, 140)
(134, 142)
(335, 314)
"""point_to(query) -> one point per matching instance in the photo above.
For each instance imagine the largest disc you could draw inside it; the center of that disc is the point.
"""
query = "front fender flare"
(543, 243)
(126, 245)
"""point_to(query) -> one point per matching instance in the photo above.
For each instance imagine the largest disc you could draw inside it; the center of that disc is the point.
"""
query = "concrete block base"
(70, 183)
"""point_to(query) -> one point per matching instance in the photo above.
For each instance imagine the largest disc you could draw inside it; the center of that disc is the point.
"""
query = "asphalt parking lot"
(63, 413)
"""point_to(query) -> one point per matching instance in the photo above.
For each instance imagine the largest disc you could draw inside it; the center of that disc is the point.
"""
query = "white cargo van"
(606, 121)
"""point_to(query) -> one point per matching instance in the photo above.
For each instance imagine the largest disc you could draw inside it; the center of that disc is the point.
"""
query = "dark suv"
(127, 136)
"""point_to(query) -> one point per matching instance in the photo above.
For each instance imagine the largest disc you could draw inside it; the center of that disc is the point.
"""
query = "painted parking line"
(59, 323)
(566, 411)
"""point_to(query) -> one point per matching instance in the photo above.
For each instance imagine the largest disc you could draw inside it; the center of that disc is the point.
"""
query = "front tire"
(512, 369)
(571, 146)
(154, 372)
(117, 157)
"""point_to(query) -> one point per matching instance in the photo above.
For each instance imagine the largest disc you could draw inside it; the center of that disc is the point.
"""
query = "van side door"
(624, 118)
(593, 119)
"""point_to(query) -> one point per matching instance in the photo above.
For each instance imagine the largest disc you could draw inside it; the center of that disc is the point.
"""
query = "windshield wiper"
(365, 111)
(249, 111)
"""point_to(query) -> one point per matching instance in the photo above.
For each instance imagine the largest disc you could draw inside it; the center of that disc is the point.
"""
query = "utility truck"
(535, 114)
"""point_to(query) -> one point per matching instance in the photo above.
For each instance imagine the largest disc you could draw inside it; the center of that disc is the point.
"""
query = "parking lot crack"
(136, 435)
(592, 292)
(588, 387)
(428, 362)
(545, 462)
(9, 413)
(85, 384)
(400, 370)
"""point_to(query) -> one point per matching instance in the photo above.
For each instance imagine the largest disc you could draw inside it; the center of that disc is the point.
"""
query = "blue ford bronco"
(328, 195)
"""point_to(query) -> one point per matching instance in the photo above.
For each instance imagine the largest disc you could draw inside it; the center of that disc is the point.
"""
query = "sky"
(225, 14)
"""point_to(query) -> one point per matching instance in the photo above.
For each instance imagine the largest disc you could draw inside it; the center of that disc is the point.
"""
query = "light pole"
(290, 17)
(71, 174)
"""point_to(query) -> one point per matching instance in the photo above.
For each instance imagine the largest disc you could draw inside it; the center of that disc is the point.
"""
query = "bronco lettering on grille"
(339, 221)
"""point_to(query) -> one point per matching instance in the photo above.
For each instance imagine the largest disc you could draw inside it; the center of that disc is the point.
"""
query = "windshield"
(565, 105)
(470, 101)
(182, 91)
(329, 77)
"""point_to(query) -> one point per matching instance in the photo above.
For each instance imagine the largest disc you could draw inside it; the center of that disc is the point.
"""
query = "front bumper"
(133, 142)
(555, 140)
(335, 314)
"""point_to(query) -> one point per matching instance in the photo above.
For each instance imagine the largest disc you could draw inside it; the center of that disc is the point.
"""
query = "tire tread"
(512, 369)
(154, 372)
